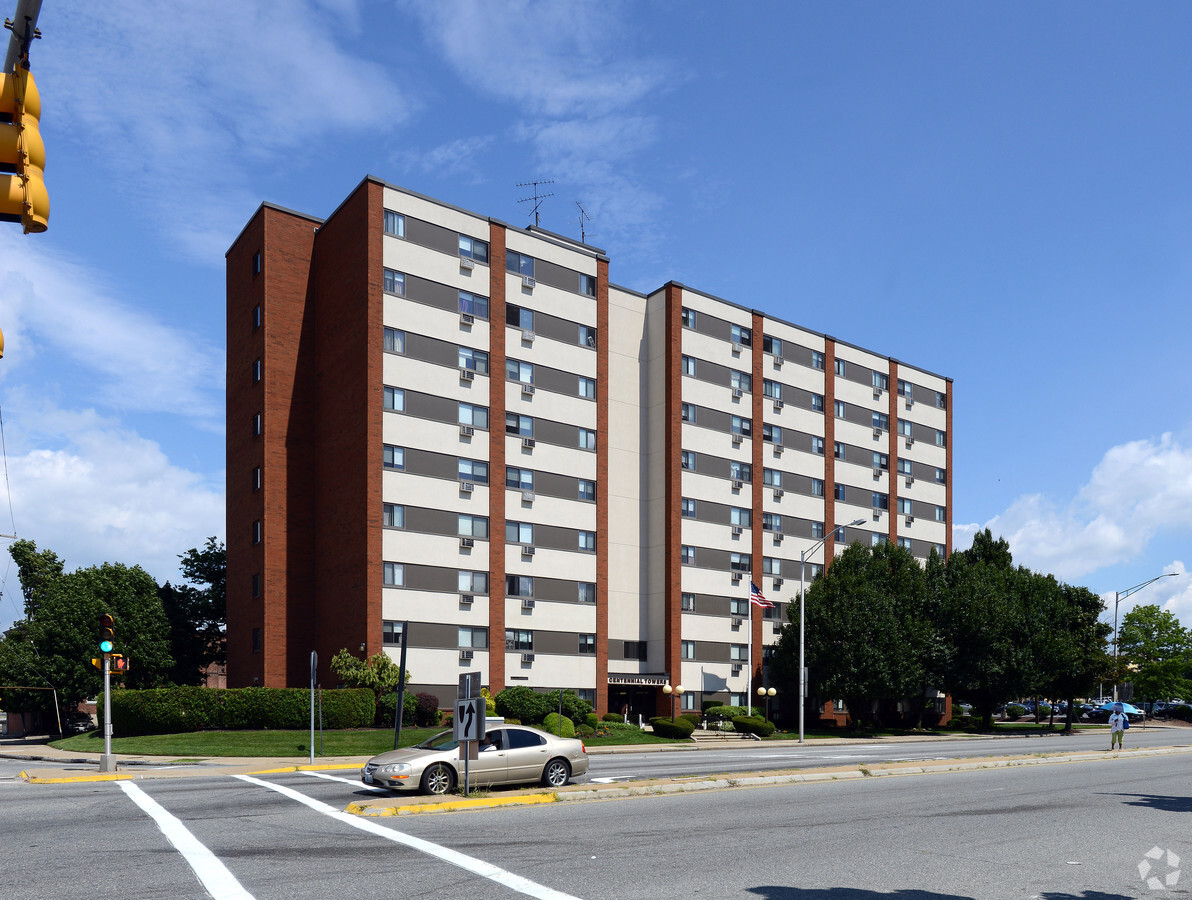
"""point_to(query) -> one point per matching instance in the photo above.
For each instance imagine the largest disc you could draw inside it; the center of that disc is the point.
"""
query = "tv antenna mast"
(536, 197)
(583, 216)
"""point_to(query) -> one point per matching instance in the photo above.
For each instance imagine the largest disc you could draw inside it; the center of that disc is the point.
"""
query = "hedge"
(752, 725)
(731, 712)
(551, 725)
(388, 703)
(176, 710)
(679, 729)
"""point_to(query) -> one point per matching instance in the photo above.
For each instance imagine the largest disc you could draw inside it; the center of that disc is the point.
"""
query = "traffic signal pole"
(105, 761)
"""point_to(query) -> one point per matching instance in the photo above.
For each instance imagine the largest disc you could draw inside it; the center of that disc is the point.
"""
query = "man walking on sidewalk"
(1118, 723)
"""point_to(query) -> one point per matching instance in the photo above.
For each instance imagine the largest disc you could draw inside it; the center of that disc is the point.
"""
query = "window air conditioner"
(877, 472)
(466, 375)
(777, 583)
(736, 577)
(527, 281)
(877, 515)
(527, 657)
(778, 405)
(777, 537)
(527, 603)
(737, 668)
(777, 362)
(778, 492)
(737, 484)
(528, 443)
(466, 542)
(737, 620)
(465, 654)
(910, 479)
(737, 439)
(527, 550)
(737, 529)
(528, 336)
(877, 393)
(737, 348)
(528, 496)
(466, 487)
(466, 599)
(465, 263)
(737, 392)
(466, 318)
(466, 431)
(778, 449)
(910, 520)
(877, 432)
(528, 390)
(910, 441)
(910, 402)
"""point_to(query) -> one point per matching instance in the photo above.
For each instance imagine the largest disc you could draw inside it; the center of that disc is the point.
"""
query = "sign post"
(469, 729)
(314, 668)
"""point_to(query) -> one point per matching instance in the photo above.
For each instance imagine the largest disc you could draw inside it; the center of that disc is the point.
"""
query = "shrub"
(175, 710)
(1015, 711)
(731, 712)
(591, 721)
(426, 712)
(551, 725)
(1181, 711)
(612, 717)
(619, 726)
(386, 705)
(752, 725)
(509, 721)
(963, 723)
(708, 704)
(693, 718)
(679, 729)
(531, 707)
(584, 731)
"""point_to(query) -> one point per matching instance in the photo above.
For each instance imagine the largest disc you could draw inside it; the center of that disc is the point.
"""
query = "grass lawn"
(348, 742)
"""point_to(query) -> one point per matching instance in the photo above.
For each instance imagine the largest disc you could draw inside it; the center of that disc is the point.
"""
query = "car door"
(528, 754)
(491, 765)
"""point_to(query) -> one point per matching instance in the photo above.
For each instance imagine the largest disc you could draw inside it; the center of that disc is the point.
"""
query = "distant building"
(437, 419)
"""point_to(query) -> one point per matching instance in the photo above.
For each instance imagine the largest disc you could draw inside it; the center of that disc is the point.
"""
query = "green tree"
(196, 613)
(379, 673)
(1156, 652)
(38, 570)
(1080, 650)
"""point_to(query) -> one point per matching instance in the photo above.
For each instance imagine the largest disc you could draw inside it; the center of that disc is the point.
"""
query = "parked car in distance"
(509, 754)
(1102, 713)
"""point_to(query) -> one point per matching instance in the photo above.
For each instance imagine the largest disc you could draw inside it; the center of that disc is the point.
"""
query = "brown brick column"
(829, 448)
(757, 551)
(892, 437)
(496, 459)
(673, 527)
(603, 342)
(948, 462)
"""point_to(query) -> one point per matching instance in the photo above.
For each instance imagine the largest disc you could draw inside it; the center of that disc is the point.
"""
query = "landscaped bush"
(511, 721)
(551, 725)
(752, 725)
(584, 731)
(680, 729)
(183, 709)
(1015, 711)
(731, 712)
(963, 723)
(612, 717)
(705, 705)
(693, 718)
(618, 725)
(532, 707)
(1181, 712)
(590, 720)
(426, 714)
(386, 706)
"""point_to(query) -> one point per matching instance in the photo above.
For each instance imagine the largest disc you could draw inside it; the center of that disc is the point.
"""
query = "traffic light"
(119, 663)
(107, 633)
(23, 195)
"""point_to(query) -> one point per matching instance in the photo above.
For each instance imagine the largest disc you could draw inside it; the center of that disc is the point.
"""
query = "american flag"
(757, 598)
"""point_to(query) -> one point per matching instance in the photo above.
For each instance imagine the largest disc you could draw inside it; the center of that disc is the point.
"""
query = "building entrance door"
(634, 701)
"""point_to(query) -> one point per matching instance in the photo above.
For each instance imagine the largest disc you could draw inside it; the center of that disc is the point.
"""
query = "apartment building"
(442, 425)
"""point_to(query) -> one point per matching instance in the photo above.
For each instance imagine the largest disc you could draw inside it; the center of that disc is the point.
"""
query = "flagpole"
(749, 643)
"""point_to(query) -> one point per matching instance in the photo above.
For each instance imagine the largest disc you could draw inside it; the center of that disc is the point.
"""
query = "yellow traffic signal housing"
(107, 633)
(23, 195)
(119, 663)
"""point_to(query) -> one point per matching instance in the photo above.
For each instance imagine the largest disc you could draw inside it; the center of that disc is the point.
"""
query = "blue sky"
(996, 192)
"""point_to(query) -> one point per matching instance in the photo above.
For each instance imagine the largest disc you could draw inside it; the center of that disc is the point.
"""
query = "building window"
(476, 416)
(395, 282)
(257, 425)
(687, 411)
(586, 592)
(473, 637)
(904, 506)
(395, 399)
(687, 508)
(839, 364)
(941, 400)
(771, 345)
(739, 562)
(257, 478)
(635, 650)
(473, 582)
(519, 586)
(738, 607)
(817, 359)
(256, 317)
(741, 425)
(838, 450)
(519, 639)
(738, 652)
(393, 516)
(687, 649)
(880, 460)
(476, 360)
(687, 602)
(815, 570)
(687, 555)
(817, 530)
(941, 476)
(941, 514)
(688, 365)
(519, 479)
(817, 445)
(519, 263)
(473, 248)
(941, 438)
(771, 566)
(939, 550)
(391, 632)
(586, 490)
(256, 586)
(904, 467)
(817, 487)
(256, 531)
(587, 387)
(739, 471)
(256, 640)
(587, 645)
(772, 389)
(256, 263)
(882, 421)
(587, 541)
(817, 402)
(905, 543)
(393, 574)
(738, 334)
(256, 371)
(519, 533)
(880, 501)
(741, 518)
(587, 284)
(838, 408)
(393, 457)
(840, 492)
(587, 439)
(688, 460)
(587, 336)
(395, 341)
(473, 470)
(519, 317)
(771, 521)
(473, 305)
(881, 381)
(516, 370)
(473, 526)
(688, 317)
(905, 428)
(904, 388)
(772, 478)
(741, 381)
(876, 539)
(395, 223)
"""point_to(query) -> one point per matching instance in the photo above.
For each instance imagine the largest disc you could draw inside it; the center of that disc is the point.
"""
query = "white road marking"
(355, 782)
(467, 863)
(214, 875)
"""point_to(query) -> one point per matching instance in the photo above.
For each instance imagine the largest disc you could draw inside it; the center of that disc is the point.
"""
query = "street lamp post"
(672, 692)
(803, 554)
(767, 693)
(1118, 597)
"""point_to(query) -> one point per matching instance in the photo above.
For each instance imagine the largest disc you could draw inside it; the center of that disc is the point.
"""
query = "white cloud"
(176, 100)
(460, 157)
(1138, 490)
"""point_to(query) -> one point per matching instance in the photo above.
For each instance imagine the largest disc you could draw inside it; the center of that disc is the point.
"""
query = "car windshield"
(441, 741)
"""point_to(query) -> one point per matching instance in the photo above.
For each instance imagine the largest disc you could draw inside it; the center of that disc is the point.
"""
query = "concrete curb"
(358, 809)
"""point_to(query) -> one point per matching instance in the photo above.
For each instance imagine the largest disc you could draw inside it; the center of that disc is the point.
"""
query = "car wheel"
(556, 773)
(438, 779)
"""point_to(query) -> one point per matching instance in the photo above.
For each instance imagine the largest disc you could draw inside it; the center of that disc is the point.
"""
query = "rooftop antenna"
(536, 197)
(583, 216)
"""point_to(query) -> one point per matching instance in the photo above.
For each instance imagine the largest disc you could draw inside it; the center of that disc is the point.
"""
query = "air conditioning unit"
(877, 472)
(737, 393)
(737, 668)
(910, 402)
(527, 281)
(466, 318)
(877, 515)
(737, 348)
(465, 655)
(528, 336)
(466, 487)
(778, 492)
(528, 496)
(877, 393)
(778, 628)
(778, 449)
(877, 432)
(737, 529)
(736, 577)
(465, 263)
(527, 603)
(528, 390)
(467, 542)
(778, 405)
(910, 520)
(466, 431)
(737, 620)
(527, 550)
(737, 439)
(466, 375)
(737, 483)
(910, 441)
(528, 443)
(466, 599)
(910, 479)
(777, 583)
(777, 362)
(777, 537)
(527, 657)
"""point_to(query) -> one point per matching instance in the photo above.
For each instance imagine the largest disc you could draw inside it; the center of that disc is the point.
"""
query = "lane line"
(214, 875)
(467, 863)
(354, 782)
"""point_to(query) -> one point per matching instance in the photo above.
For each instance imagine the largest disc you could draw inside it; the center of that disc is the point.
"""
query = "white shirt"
(1117, 722)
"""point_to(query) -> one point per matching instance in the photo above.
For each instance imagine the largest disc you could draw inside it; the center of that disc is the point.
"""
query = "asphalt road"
(1061, 832)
